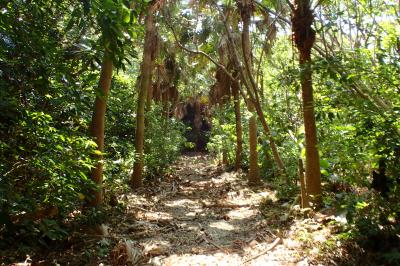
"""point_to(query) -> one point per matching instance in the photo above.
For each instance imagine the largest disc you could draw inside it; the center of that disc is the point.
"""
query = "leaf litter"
(200, 214)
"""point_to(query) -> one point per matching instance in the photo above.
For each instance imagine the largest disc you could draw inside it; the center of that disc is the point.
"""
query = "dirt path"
(198, 214)
(201, 215)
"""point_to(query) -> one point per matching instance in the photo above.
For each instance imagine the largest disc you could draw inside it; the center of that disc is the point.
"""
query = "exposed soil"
(201, 215)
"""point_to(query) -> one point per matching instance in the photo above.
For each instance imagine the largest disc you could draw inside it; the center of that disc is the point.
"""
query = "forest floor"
(201, 215)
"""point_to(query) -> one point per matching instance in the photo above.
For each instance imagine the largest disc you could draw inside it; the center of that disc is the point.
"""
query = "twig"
(273, 245)
(15, 167)
(272, 234)
(212, 243)
(142, 209)
(185, 219)
(276, 14)
(227, 205)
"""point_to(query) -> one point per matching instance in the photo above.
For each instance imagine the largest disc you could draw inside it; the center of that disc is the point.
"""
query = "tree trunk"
(149, 95)
(97, 125)
(154, 52)
(147, 67)
(246, 10)
(238, 120)
(253, 177)
(165, 102)
(304, 198)
(304, 38)
(274, 149)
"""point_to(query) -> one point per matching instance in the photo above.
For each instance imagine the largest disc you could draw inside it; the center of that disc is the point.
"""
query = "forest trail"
(201, 215)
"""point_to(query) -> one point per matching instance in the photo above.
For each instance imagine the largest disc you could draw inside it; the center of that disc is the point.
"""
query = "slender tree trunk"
(147, 67)
(238, 120)
(223, 96)
(154, 51)
(149, 95)
(224, 152)
(304, 199)
(254, 176)
(165, 102)
(246, 11)
(304, 38)
(274, 149)
(97, 125)
(235, 57)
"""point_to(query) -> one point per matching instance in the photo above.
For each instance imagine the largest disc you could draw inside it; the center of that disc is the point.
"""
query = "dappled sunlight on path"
(201, 215)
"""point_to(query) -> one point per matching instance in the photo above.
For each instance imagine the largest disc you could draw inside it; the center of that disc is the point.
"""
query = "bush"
(373, 222)
(164, 141)
(120, 132)
(43, 165)
(223, 134)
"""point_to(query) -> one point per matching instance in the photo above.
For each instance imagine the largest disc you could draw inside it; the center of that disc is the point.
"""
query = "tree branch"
(277, 15)
(197, 52)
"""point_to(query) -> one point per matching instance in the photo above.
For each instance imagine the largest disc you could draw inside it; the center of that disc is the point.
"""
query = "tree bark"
(165, 102)
(238, 123)
(149, 95)
(304, 198)
(97, 126)
(147, 67)
(245, 13)
(274, 149)
(253, 177)
(154, 52)
(304, 39)
(246, 10)
(250, 83)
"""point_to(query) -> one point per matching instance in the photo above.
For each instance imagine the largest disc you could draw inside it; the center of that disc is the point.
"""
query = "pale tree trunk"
(155, 51)
(246, 10)
(304, 38)
(223, 95)
(225, 160)
(249, 82)
(238, 123)
(245, 13)
(300, 172)
(254, 176)
(224, 150)
(145, 81)
(274, 149)
(97, 126)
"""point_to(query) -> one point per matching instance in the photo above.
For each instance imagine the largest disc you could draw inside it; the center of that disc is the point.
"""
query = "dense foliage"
(45, 150)
(356, 69)
(50, 62)
(48, 82)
